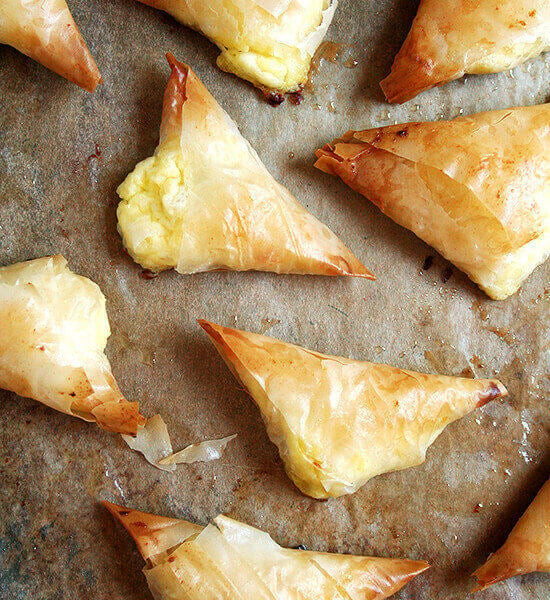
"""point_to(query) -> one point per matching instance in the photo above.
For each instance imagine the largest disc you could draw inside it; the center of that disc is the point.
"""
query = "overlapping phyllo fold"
(45, 31)
(451, 38)
(267, 42)
(205, 201)
(527, 548)
(234, 561)
(53, 333)
(339, 422)
(475, 188)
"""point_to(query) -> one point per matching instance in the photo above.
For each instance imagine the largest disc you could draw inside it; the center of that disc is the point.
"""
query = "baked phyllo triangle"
(45, 31)
(475, 188)
(53, 331)
(339, 422)
(451, 38)
(527, 548)
(204, 200)
(234, 561)
(267, 42)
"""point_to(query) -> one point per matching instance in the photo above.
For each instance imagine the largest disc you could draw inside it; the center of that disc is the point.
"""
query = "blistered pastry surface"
(65, 201)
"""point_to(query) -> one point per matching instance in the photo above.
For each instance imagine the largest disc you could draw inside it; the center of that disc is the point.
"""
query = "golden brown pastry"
(232, 561)
(45, 31)
(53, 331)
(267, 42)
(339, 422)
(451, 38)
(205, 201)
(476, 188)
(527, 548)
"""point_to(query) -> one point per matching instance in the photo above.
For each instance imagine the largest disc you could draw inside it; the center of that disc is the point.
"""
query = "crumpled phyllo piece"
(205, 201)
(233, 561)
(267, 42)
(53, 331)
(339, 422)
(45, 31)
(451, 38)
(475, 188)
(527, 548)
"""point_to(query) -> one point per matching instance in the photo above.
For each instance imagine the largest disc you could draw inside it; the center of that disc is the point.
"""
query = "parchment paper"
(62, 154)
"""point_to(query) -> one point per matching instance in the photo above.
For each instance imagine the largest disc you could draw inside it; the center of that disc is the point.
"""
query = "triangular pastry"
(45, 31)
(476, 188)
(234, 561)
(451, 38)
(267, 42)
(527, 548)
(339, 422)
(53, 331)
(205, 201)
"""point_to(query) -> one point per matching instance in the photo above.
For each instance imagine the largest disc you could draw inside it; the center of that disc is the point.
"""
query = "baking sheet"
(62, 154)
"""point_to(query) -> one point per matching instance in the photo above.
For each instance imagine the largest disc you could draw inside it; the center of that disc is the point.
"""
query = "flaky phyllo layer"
(339, 422)
(476, 188)
(451, 38)
(45, 31)
(527, 548)
(234, 561)
(53, 332)
(268, 42)
(205, 201)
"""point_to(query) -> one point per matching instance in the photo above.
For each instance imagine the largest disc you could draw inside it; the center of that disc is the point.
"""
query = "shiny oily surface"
(63, 153)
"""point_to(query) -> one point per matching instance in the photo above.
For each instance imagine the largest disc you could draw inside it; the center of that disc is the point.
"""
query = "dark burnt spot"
(490, 394)
(147, 274)
(402, 133)
(300, 547)
(274, 98)
(73, 394)
(140, 524)
(378, 137)
(428, 262)
(296, 98)
(123, 513)
(446, 275)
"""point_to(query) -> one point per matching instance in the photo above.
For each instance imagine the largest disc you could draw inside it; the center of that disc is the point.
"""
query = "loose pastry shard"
(234, 561)
(267, 42)
(475, 188)
(53, 331)
(450, 38)
(527, 548)
(339, 422)
(45, 31)
(205, 201)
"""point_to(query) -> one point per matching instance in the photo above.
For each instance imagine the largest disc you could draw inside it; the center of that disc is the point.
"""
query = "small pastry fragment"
(267, 42)
(204, 201)
(527, 548)
(339, 422)
(53, 333)
(475, 188)
(451, 38)
(230, 560)
(45, 31)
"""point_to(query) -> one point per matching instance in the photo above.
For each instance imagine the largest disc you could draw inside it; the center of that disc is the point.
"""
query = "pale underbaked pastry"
(53, 331)
(339, 422)
(234, 561)
(205, 201)
(451, 38)
(527, 548)
(267, 42)
(45, 31)
(476, 188)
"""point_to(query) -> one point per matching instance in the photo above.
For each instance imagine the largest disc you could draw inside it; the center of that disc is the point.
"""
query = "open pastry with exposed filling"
(476, 188)
(451, 38)
(339, 422)
(204, 200)
(45, 31)
(234, 561)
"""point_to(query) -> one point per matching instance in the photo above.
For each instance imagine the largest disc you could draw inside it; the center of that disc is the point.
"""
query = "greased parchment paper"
(62, 154)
